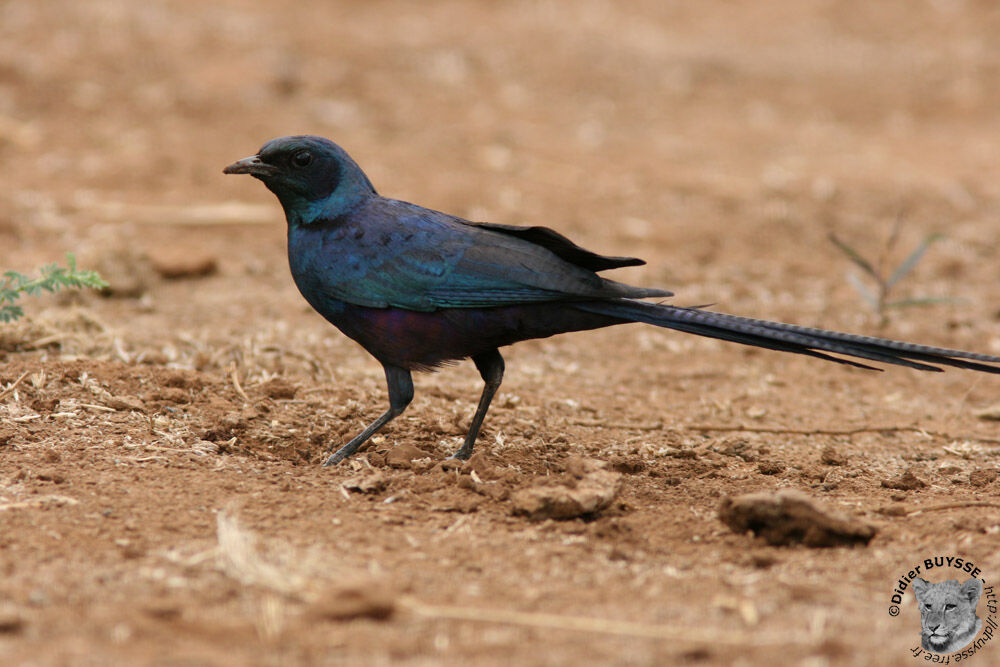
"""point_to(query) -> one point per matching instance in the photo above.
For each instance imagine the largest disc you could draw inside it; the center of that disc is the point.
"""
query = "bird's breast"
(313, 271)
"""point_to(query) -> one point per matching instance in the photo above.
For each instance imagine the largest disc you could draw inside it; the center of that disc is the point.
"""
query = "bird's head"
(312, 177)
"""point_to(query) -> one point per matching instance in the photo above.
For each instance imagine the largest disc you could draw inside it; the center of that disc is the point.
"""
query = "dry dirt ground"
(160, 498)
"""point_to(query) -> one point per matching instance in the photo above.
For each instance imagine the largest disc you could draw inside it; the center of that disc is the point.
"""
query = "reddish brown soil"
(150, 514)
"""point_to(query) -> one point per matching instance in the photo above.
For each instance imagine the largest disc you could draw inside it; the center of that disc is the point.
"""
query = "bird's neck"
(304, 213)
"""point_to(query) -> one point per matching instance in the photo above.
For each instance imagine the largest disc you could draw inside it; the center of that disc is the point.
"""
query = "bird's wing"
(560, 246)
(393, 254)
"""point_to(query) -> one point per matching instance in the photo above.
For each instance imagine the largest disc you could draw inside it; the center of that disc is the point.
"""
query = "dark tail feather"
(793, 338)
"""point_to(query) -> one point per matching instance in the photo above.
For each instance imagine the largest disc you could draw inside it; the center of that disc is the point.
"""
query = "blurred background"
(722, 141)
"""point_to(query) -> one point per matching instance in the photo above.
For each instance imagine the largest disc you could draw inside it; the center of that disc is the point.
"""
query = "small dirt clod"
(354, 602)
(790, 516)
(831, 456)
(371, 482)
(595, 490)
(907, 481)
(983, 477)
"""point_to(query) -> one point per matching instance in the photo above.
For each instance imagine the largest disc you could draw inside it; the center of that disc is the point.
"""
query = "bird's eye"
(302, 159)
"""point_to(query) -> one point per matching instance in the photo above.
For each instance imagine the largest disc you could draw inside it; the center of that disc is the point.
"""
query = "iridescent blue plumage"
(418, 288)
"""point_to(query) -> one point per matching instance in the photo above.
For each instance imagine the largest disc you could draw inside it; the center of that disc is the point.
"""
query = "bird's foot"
(332, 460)
(339, 455)
(463, 454)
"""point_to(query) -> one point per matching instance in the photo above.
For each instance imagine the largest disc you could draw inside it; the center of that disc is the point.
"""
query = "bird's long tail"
(792, 338)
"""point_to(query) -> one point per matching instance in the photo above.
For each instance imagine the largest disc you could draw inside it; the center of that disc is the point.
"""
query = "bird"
(418, 288)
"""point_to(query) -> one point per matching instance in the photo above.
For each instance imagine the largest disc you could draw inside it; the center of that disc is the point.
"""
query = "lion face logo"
(948, 620)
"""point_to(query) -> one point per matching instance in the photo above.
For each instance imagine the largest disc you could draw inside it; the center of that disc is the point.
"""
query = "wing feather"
(389, 253)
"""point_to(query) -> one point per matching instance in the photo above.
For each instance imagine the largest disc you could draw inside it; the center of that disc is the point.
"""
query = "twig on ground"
(836, 431)
(951, 506)
(655, 426)
(44, 341)
(236, 383)
(205, 215)
(593, 625)
(145, 459)
(99, 408)
(9, 390)
(40, 501)
(805, 431)
(24, 418)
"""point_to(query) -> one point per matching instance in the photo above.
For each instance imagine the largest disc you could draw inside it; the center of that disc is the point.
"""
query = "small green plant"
(53, 278)
(885, 279)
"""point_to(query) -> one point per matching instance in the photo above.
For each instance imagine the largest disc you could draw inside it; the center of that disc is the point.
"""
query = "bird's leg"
(490, 365)
(400, 394)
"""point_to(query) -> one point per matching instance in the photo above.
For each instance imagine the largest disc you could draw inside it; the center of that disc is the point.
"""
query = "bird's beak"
(249, 165)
